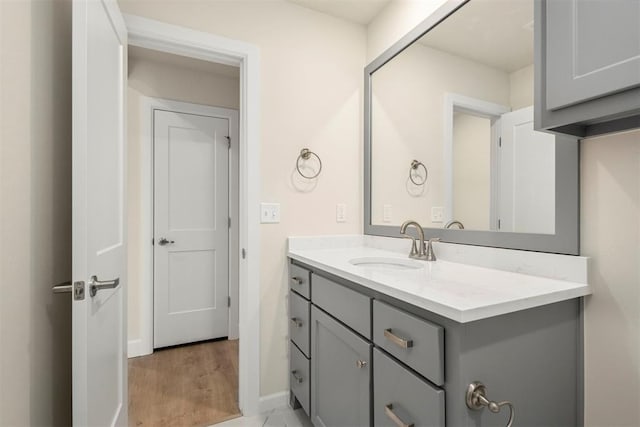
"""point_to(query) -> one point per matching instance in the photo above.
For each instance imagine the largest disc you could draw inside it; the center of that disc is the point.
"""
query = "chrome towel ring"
(305, 154)
(415, 164)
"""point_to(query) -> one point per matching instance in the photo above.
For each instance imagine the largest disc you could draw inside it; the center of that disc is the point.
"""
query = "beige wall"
(521, 88)
(610, 224)
(610, 233)
(311, 96)
(472, 171)
(167, 78)
(408, 123)
(35, 227)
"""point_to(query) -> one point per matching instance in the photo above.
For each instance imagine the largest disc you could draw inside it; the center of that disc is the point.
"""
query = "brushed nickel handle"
(164, 241)
(96, 285)
(296, 322)
(400, 342)
(388, 411)
(296, 280)
(77, 288)
(297, 376)
(361, 364)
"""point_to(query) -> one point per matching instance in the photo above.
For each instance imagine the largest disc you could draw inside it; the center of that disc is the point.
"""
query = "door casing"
(182, 41)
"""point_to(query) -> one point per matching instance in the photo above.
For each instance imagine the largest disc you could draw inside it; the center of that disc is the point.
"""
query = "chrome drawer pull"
(297, 376)
(297, 322)
(296, 280)
(388, 411)
(400, 342)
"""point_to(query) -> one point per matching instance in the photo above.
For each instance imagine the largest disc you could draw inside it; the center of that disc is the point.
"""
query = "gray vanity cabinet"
(587, 65)
(340, 374)
(373, 360)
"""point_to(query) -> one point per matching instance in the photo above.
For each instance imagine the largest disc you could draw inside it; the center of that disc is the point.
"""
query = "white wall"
(521, 88)
(311, 96)
(179, 81)
(610, 233)
(35, 227)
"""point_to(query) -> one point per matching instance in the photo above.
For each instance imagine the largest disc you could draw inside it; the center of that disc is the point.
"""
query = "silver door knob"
(164, 241)
(96, 285)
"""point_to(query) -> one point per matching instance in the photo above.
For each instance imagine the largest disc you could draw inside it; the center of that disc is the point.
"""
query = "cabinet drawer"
(402, 398)
(300, 280)
(414, 341)
(350, 307)
(299, 368)
(299, 322)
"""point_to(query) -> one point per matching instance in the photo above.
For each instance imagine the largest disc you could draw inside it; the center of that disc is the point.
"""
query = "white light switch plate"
(437, 214)
(341, 212)
(269, 213)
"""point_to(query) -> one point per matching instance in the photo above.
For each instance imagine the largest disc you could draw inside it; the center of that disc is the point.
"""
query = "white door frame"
(460, 103)
(182, 41)
(144, 345)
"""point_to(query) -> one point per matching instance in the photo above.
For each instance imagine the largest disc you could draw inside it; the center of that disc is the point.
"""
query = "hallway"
(190, 385)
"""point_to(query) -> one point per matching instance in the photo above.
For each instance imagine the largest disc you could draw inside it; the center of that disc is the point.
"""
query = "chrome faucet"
(417, 250)
(431, 256)
(454, 222)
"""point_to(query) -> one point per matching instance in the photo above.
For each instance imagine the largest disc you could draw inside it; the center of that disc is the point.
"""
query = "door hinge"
(500, 142)
(228, 301)
(153, 241)
(244, 253)
(499, 224)
(229, 222)
(228, 142)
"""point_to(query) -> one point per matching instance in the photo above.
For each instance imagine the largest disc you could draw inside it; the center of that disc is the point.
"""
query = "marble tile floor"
(284, 417)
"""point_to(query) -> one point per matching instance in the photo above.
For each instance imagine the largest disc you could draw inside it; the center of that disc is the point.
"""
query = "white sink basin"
(382, 263)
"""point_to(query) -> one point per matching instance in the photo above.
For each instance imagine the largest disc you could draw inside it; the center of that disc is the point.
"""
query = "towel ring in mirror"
(305, 154)
(414, 167)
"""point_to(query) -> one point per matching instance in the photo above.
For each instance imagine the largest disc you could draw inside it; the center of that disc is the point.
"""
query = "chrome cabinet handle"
(296, 322)
(388, 411)
(297, 376)
(96, 285)
(400, 342)
(164, 241)
(361, 364)
(296, 280)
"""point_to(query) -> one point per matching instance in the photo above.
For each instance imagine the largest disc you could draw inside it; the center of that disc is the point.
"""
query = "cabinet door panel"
(593, 49)
(340, 374)
(399, 393)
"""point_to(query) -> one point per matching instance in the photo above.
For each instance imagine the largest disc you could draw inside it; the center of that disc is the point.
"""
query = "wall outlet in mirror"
(387, 212)
(437, 214)
(341, 212)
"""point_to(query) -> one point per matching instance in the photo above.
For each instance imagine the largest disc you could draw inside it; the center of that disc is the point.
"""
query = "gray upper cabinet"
(587, 66)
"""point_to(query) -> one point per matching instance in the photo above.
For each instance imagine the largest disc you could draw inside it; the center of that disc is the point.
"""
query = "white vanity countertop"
(458, 291)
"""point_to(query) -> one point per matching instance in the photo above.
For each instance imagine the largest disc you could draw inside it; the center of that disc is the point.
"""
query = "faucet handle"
(414, 246)
(430, 255)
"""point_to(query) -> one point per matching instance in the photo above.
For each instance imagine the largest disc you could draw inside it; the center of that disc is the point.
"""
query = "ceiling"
(358, 11)
(497, 33)
(182, 61)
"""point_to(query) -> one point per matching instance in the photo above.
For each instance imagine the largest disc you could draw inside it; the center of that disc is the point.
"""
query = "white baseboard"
(274, 401)
(135, 348)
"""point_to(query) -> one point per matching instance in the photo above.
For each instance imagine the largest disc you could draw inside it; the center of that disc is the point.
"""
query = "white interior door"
(99, 246)
(527, 176)
(191, 228)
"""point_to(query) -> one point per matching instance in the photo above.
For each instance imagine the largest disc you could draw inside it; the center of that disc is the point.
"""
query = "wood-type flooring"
(185, 386)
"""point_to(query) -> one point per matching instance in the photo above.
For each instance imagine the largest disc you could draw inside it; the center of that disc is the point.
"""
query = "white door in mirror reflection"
(526, 194)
